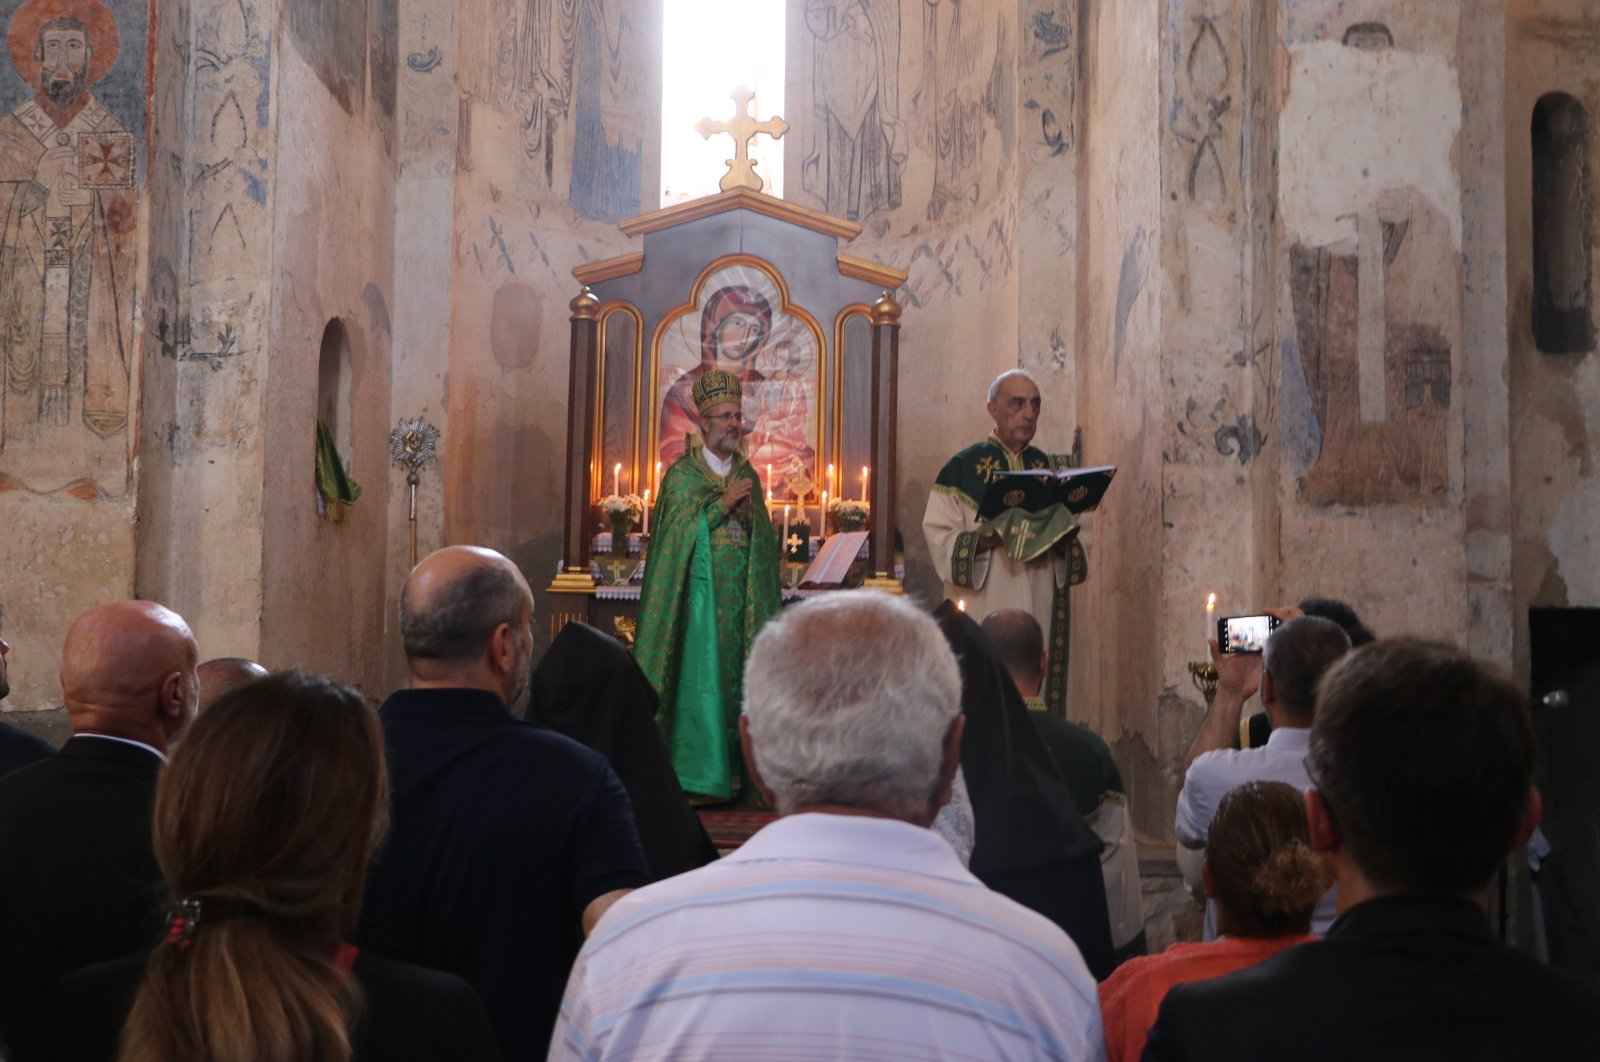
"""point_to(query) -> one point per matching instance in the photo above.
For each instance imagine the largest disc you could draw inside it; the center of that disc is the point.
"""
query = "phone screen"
(1245, 634)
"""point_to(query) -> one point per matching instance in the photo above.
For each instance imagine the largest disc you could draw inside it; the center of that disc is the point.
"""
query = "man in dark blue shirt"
(508, 841)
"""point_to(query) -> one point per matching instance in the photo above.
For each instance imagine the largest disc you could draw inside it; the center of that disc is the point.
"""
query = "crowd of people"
(226, 864)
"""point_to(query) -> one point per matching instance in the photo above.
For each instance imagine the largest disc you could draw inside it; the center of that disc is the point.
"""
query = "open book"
(1035, 490)
(833, 560)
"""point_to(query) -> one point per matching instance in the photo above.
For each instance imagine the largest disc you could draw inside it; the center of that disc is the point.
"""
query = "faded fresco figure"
(858, 142)
(66, 255)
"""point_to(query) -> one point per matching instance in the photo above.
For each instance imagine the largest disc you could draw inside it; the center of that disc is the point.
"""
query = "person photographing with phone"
(1286, 671)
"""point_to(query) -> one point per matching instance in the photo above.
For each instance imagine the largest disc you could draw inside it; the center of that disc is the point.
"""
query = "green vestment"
(710, 582)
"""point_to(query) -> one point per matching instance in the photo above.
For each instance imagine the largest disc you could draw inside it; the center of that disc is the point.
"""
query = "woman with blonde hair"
(264, 822)
(1266, 881)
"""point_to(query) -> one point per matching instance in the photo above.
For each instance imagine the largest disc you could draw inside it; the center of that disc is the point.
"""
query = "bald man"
(80, 883)
(507, 840)
(222, 676)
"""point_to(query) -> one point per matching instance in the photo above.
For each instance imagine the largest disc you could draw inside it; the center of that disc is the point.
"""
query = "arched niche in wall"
(1563, 230)
(335, 370)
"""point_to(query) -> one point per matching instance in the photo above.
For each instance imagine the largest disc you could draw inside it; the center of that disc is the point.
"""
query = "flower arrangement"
(616, 506)
(622, 510)
(849, 515)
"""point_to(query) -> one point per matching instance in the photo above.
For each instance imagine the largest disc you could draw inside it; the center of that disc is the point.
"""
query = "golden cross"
(620, 570)
(793, 542)
(743, 128)
(1020, 534)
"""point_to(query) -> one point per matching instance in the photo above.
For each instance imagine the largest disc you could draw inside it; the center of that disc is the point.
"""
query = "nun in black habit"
(589, 688)
(1032, 844)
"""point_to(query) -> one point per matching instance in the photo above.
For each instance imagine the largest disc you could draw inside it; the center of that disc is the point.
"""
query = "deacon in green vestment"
(1008, 566)
(710, 582)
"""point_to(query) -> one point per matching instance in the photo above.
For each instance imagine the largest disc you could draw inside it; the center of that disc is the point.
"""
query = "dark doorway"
(1566, 658)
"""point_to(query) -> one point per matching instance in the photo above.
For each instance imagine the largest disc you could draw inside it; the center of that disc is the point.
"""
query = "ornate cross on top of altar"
(743, 127)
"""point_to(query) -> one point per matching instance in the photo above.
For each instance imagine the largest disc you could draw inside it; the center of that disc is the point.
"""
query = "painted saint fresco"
(740, 325)
(68, 168)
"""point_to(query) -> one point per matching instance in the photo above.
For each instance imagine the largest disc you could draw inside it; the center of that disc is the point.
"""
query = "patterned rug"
(731, 828)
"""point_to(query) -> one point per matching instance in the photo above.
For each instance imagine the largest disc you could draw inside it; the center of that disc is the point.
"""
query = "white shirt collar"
(856, 839)
(162, 756)
(720, 465)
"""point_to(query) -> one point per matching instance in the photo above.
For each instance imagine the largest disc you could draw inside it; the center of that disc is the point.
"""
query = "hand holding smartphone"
(1245, 634)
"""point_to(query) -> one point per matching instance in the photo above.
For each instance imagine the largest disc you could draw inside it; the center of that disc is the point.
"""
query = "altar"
(760, 287)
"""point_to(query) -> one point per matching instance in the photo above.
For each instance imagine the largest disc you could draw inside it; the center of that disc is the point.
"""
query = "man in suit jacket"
(1422, 767)
(80, 882)
(18, 748)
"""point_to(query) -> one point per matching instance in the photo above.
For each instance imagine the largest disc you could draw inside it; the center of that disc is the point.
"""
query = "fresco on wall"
(857, 143)
(739, 324)
(963, 90)
(572, 72)
(1381, 421)
(73, 124)
(332, 35)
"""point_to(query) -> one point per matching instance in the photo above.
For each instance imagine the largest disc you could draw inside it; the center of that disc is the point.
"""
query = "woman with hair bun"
(1266, 881)
(264, 822)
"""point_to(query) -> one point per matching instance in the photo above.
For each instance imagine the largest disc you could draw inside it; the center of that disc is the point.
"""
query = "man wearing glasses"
(710, 582)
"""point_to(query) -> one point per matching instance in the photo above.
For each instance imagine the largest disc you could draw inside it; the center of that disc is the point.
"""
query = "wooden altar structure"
(757, 285)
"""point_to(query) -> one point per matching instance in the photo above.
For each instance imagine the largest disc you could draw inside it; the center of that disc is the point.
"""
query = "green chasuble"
(710, 582)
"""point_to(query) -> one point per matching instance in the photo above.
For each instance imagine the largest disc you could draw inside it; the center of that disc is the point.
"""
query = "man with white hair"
(846, 928)
(977, 566)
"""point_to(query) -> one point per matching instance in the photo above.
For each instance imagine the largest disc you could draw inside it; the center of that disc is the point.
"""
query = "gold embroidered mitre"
(714, 387)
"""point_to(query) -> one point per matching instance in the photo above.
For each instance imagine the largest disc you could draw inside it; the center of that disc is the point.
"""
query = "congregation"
(499, 861)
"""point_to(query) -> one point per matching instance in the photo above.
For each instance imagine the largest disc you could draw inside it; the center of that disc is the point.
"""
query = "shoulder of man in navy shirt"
(507, 841)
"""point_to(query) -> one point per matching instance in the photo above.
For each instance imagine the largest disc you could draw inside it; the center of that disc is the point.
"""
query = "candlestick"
(784, 551)
(863, 482)
(646, 529)
(823, 522)
(616, 478)
(1211, 609)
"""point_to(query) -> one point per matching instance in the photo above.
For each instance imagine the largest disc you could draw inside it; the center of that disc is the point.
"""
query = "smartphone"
(1245, 634)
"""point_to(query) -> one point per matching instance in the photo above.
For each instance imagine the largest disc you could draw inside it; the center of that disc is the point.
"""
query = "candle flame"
(962, 605)
(1211, 601)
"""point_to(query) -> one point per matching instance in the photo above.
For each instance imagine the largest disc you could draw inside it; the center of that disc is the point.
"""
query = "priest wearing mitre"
(710, 582)
(1021, 565)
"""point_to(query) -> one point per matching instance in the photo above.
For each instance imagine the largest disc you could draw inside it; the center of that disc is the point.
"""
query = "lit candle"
(646, 529)
(863, 482)
(785, 549)
(616, 478)
(769, 484)
(827, 486)
(658, 475)
(1211, 611)
(822, 521)
(961, 605)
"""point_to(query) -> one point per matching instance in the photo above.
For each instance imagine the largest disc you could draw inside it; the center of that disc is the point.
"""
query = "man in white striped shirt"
(846, 928)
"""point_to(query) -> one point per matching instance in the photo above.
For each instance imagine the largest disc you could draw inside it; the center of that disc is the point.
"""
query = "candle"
(863, 482)
(646, 529)
(961, 605)
(823, 522)
(826, 487)
(785, 550)
(658, 475)
(616, 478)
(1211, 611)
(769, 484)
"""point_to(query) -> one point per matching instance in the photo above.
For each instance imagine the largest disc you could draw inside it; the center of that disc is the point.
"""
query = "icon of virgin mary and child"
(777, 372)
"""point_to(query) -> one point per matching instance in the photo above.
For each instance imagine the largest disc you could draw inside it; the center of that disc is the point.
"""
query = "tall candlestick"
(646, 529)
(863, 482)
(616, 478)
(1211, 611)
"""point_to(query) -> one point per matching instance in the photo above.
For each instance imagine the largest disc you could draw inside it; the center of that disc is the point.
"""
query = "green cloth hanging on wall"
(338, 490)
